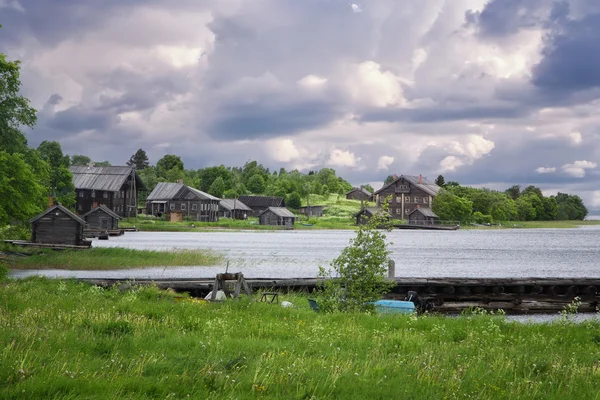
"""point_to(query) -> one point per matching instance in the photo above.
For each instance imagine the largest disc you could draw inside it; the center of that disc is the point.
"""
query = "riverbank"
(69, 339)
(97, 258)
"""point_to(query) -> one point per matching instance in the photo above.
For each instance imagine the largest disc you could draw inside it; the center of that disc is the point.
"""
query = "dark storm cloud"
(77, 119)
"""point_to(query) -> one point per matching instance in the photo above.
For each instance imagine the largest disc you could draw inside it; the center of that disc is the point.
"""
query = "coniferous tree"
(139, 160)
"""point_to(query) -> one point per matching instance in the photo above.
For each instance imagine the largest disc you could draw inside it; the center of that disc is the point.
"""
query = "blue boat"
(394, 307)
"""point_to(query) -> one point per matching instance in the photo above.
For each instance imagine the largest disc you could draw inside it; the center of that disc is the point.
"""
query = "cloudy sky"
(486, 92)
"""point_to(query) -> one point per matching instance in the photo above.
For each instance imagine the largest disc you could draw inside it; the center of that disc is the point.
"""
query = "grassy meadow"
(98, 258)
(68, 340)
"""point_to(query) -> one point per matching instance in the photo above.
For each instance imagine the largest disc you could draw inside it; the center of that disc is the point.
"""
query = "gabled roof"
(229, 204)
(61, 208)
(427, 212)
(372, 211)
(176, 191)
(279, 211)
(104, 178)
(262, 201)
(101, 207)
(360, 189)
(420, 182)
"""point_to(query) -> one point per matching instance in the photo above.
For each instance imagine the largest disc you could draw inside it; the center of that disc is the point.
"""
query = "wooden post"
(391, 269)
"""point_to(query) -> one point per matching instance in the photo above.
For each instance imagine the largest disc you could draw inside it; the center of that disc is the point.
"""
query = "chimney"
(50, 201)
(395, 176)
(420, 179)
(179, 180)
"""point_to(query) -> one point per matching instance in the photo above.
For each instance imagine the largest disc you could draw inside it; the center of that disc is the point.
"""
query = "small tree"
(358, 274)
(293, 201)
(440, 181)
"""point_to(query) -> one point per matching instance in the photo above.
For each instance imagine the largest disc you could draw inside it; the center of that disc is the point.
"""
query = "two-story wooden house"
(406, 194)
(115, 187)
(170, 197)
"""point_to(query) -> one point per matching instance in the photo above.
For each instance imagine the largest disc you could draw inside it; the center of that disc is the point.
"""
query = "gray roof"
(360, 189)
(372, 211)
(61, 208)
(262, 201)
(427, 212)
(175, 191)
(101, 207)
(229, 205)
(420, 182)
(110, 179)
(280, 212)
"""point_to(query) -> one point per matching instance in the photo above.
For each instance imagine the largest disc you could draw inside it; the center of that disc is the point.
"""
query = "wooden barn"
(258, 204)
(115, 187)
(422, 216)
(279, 216)
(233, 208)
(406, 194)
(311, 211)
(58, 225)
(364, 215)
(172, 198)
(101, 218)
(359, 193)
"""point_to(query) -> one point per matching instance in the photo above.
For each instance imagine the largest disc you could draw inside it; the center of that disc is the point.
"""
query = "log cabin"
(174, 198)
(405, 194)
(58, 225)
(258, 204)
(279, 216)
(115, 187)
(233, 208)
(359, 193)
(101, 218)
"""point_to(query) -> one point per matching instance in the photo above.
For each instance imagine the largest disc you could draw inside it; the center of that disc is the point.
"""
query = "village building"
(58, 225)
(258, 204)
(101, 218)
(311, 211)
(423, 216)
(233, 208)
(279, 216)
(177, 198)
(359, 193)
(115, 187)
(364, 215)
(405, 194)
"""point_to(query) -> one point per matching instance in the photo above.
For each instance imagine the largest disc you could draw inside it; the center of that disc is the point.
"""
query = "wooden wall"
(270, 218)
(95, 220)
(57, 229)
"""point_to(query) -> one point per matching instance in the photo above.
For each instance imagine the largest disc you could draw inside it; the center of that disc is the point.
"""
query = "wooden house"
(258, 204)
(406, 194)
(279, 216)
(364, 215)
(170, 198)
(422, 216)
(115, 187)
(359, 193)
(311, 211)
(101, 218)
(58, 225)
(233, 208)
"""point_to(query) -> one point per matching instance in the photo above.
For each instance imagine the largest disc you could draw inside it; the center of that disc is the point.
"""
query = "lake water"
(286, 254)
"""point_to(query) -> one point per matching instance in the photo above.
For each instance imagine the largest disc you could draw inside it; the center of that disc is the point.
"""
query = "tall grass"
(67, 340)
(114, 258)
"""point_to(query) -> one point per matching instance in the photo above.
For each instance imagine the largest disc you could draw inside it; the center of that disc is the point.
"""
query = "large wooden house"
(192, 203)
(258, 204)
(58, 225)
(279, 216)
(359, 193)
(405, 194)
(101, 218)
(115, 187)
(233, 208)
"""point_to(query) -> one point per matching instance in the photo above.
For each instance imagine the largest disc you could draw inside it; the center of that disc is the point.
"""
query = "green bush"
(480, 218)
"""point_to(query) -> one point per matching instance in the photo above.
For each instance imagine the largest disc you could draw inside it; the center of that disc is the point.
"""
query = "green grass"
(113, 258)
(68, 340)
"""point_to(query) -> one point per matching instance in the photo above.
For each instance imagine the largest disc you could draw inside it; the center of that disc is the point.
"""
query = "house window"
(398, 199)
(407, 199)
(81, 194)
(93, 193)
(416, 200)
(182, 207)
(116, 195)
(122, 194)
(172, 207)
(80, 207)
(194, 207)
(398, 211)
(407, 211)
(105, 195)
(425, 200)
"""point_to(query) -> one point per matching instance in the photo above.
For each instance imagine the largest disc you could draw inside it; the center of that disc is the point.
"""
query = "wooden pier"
(444, 295)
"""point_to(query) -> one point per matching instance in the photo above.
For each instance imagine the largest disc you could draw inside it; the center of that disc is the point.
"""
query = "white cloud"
(450, 163)
(545, 170)
(355, 8)
(578, 168)
(367, 83)
(384, 162)
(283, 150)
(312, 81)
(342, 158)
(576, 137)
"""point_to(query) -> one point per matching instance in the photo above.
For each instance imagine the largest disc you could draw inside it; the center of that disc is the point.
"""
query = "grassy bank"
(113, 258)
(63, 339)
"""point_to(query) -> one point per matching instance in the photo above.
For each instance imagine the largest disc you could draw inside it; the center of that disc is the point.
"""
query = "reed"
(65, 339)
(98, 258)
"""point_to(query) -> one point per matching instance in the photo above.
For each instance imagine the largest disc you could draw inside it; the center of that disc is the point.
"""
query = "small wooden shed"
(311, 211)
(101, 218)
(233, 208)
(359, 193)
(279, 216)
(364, 215)
(57, 225)
(422, 216)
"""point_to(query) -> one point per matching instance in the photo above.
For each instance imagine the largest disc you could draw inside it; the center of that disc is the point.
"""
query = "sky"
(489, 93)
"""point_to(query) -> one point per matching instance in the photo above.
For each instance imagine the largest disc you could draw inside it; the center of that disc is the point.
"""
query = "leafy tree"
(256, 184)
(389, 179)
(482, 218)
(450, 207)
(167, 163)
(514, 192)
(525, 208)
(78, 159)
(217, 188)
(294, 201)
(440, 181)
(229, 194)
(139, 160)
(368, 187)
(550, 208)
(61, 180)
(570, 207)
(102, 163)
(208, 175)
